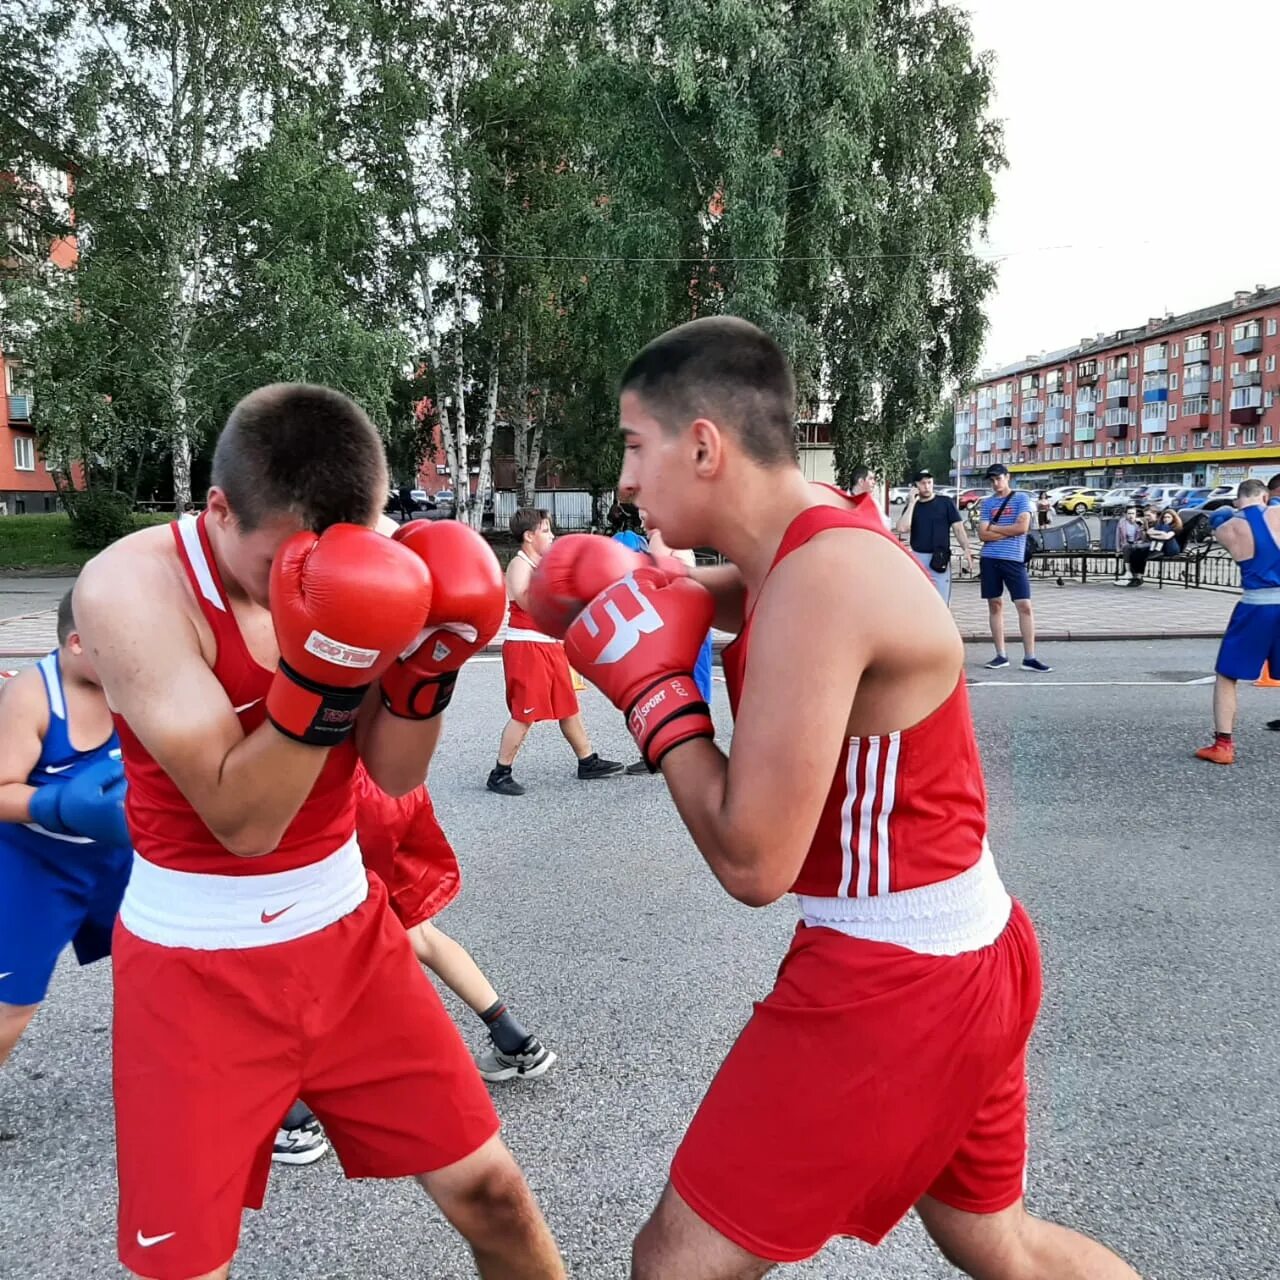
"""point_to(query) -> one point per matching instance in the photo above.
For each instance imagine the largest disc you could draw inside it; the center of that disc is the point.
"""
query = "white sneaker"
(533, 1060)
(303, 1143)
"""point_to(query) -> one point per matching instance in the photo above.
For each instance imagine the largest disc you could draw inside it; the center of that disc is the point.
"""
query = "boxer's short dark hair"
(724, 369)
(1251, 489)
(301, 450)
(66, 618)
(527, 520)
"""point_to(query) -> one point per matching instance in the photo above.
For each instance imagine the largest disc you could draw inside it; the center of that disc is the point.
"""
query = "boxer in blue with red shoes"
(65, 854)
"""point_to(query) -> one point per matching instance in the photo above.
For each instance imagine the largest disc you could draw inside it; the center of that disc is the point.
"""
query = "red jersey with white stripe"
(520, 623)
(905, 809)
(166, 830)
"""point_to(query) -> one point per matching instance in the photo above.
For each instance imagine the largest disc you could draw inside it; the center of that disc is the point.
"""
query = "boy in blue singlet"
(65, 853)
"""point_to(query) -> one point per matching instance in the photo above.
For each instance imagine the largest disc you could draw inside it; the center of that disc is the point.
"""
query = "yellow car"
(1078, 501)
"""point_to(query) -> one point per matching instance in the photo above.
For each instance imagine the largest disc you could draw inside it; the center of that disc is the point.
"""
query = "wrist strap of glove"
(413, 696)
(321, 715)
(43, 807)
(670, 711)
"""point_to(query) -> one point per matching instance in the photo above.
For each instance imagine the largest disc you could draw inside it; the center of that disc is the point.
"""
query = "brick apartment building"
(1187, 399)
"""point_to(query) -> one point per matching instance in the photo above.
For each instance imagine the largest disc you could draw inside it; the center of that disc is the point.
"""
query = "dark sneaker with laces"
(300, 1139)
(533, 1060)
(639, 767)
(593, 767)
(501, 781)
(1034, 664)
(998, 663)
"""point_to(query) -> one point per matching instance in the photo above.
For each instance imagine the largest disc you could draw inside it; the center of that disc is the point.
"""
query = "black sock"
(506, 1033)
(500, 769)
(1225, 738)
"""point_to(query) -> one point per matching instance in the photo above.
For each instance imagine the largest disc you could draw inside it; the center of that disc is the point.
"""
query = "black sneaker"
(998, 663)
(501, 781)
(638, 768)
(593, 767)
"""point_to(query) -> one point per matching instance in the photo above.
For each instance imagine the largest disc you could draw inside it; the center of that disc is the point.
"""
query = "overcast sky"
(1142, 171)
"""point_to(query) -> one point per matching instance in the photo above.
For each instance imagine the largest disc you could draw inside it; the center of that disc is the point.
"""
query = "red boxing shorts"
(539, 684)
(218, 1044)
(403, 844)
(869, 1077)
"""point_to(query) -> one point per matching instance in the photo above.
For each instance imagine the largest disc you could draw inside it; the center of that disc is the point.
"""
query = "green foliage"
(99, 516)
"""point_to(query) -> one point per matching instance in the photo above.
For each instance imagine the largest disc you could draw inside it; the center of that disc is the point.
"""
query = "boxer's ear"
(708, 446)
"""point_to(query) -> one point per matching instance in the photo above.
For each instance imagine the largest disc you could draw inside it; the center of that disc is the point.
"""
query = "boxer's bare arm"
(147, 654)
(518, 577)
(753, 814)
(396, 752)
(24, 720)
(724, 581)
(1237, 537)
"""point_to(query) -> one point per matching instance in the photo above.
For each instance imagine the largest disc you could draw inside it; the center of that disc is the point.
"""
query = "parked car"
(899, 495)
(970, 497)
(1223, 496)
(1190, 498)
(1079, 501)
(1159, 496)
(1056, 495)
(1114, 501)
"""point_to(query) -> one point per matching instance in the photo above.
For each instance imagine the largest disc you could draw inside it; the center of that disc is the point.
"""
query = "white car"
(899, 495)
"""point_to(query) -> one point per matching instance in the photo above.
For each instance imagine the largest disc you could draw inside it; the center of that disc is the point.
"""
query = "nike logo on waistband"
(147, 1241)
(268, 916)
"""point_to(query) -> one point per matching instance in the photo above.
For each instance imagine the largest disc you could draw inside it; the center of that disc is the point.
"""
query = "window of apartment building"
(1246, 329)
(1157, 444)
(1235, 367)
(1217, 407)
(1199, 439)
(1216, 439)
(1145, 445)
(1198, 342)
(1266, 435)
(1271, 327)
(24, 453)
(1218, 339)
(1251, 435)
(1111, 447)
(1184, 442)
(1217, 373)
(1269, 399)
(1271, 364)
(1173, 382)
(1233, 436)
(1057, 453)
(1175, 351)
(1173, 413)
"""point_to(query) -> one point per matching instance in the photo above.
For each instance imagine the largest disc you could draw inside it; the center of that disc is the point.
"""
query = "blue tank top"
(59, 761)
(1262, 569)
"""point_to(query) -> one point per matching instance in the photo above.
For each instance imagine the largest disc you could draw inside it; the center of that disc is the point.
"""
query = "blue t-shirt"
(1019, 504)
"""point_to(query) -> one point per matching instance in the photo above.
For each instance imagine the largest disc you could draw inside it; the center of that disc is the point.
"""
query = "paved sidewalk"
(1098, 611)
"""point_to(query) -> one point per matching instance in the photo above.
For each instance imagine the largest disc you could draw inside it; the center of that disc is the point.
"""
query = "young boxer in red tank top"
(886, 1069)
(255, 959)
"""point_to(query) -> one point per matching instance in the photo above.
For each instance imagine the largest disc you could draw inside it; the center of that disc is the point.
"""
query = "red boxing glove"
(577, 568)
(344, 604)
(638, 642)
(468, 603)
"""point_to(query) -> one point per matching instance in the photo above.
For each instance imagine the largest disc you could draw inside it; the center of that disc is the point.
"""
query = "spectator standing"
(866, 481)
(1002, 528)
(930, 519)
(1044, 510)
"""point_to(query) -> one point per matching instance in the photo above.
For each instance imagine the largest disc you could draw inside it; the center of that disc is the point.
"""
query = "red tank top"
(166, 829)
(519, 619)
(905, 809)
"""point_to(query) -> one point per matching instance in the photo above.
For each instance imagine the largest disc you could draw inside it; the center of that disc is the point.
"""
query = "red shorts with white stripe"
(539, 685)
(868, 1077)
(402, 843)
(212, 1047)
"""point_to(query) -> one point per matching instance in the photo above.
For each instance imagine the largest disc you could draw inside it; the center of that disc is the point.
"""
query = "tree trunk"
(533, 454)
(484, 480)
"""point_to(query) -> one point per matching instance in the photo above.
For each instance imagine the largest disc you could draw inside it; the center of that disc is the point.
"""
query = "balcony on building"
(1087, 372)
(1196, 355)
(1197, 385)
(1031, 436)
(1195, 412)
(1086, 427)
(1155, 358)
(1004, 441)
(982, 444)
(1249, 378)
(1031, 410)
(1086, 401)
(1246, 339)
(1118, 392)
(1117, 423)
(1154, 424)
(1056, 432)
(1155, 388)
(1246, 406)
(20, 408)
(1004, 417)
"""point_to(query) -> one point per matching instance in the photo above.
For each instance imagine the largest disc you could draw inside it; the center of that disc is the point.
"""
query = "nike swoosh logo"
(58, 768)
(528, 711)
(246, 706)
(268, 916)
(7, 975)
(147, 1241)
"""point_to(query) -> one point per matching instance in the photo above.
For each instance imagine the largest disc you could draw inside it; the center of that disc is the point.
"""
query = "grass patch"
(43, 542)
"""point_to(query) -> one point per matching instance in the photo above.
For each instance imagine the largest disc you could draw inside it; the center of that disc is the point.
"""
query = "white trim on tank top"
(190, 534)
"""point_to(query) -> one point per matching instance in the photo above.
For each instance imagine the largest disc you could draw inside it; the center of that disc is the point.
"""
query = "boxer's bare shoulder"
(518, 577)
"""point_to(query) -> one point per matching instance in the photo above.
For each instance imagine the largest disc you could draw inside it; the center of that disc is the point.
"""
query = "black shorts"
(997, 574)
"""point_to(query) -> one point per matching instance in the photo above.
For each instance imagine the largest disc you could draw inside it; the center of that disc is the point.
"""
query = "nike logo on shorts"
(528, 711)
(246, 706)
(147, 1241)
(268, 916)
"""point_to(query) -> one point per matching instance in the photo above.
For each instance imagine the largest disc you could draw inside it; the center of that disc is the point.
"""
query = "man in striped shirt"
(1002, 529)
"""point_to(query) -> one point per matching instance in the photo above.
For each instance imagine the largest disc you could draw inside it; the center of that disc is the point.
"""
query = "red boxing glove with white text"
(468, 604)
(638, 641)
(576, 569)
(344, 603)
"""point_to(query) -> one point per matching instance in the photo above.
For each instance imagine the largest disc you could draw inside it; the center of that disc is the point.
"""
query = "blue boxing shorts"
(71, 894)
(1252, 638)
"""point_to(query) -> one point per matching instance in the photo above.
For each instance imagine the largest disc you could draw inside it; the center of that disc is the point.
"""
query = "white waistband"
(228, 913)
(529, 635)
(1261, 595)
(965, 913)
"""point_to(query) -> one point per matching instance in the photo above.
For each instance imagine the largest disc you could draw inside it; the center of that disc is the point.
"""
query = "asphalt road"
(1152, 878)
